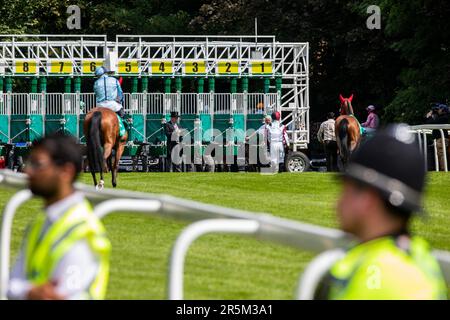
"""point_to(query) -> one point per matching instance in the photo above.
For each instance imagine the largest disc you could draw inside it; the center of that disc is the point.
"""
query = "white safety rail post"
(444, 150)
(128, 205)
(425, 150)
(5, 246)
(189, 235)
(422, 131)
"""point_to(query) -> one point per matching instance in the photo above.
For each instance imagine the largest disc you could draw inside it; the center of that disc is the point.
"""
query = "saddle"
(122, 129)
(362, 131)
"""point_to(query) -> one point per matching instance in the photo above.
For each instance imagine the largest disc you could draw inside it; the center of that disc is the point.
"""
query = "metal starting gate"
(28, 116)
(157, 56)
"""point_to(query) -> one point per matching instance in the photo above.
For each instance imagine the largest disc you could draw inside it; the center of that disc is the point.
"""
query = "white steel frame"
(290, 61)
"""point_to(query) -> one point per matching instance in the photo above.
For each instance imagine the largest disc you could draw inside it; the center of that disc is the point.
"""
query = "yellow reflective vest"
(387, 268)
(43, 251)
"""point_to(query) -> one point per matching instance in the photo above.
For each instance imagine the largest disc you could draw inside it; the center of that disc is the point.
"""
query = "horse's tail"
(94, 144)
(344, 148)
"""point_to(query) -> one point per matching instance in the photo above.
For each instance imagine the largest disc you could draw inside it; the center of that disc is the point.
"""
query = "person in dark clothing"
(327, 137)
(439, 114)
(172, 131)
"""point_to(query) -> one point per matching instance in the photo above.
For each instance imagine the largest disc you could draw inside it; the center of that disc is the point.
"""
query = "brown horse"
(101, 129)
(347, 130)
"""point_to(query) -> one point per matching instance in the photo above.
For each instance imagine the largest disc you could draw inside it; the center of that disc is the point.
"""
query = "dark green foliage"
(401, 68)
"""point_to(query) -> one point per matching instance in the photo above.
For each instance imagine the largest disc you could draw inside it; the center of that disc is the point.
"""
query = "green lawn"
(222, 266)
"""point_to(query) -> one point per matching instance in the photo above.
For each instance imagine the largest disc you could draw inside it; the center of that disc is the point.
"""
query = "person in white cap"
(373, 121)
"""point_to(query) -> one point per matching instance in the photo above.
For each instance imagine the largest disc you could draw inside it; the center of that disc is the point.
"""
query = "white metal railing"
(189, 103)
(203, 103)
(136, 104)
(238, 103)
(3, 104)
(170, 103)
(261, 226)
(140, 103)
(440, 154)
(54, 106)
(155, 103)
(19, 103)
(222, 103)
(88, 101)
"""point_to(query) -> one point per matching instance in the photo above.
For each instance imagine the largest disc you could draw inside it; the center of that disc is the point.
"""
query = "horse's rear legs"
(115, 168)
(107, 149)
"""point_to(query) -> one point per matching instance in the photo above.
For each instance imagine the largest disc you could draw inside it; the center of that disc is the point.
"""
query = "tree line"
(400, 68)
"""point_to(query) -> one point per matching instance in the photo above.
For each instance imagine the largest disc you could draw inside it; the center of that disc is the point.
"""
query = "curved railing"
(206, 218)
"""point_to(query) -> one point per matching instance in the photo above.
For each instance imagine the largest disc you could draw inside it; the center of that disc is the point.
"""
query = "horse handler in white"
(278, 142)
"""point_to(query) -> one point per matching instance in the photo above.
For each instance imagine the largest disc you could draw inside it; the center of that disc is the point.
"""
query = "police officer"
(382, 189)
(65, 253)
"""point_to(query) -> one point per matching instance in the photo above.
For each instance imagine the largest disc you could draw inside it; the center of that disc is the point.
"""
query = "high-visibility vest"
(44, 250)
(385, 269)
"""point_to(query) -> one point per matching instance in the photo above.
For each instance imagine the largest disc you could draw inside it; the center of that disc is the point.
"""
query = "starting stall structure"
(218, 83)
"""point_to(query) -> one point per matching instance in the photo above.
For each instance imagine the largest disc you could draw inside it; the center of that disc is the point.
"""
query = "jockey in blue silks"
(108, 92)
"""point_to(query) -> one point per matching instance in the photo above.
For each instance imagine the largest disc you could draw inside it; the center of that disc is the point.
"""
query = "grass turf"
(224, 266)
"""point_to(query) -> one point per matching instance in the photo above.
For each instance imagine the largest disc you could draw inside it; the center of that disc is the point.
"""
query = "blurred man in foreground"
(382, 189)
(65, 253)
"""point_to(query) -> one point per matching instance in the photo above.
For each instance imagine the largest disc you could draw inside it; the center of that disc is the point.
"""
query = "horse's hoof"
(100, 186)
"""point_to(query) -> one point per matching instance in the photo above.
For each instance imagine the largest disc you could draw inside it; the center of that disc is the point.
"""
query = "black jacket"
(169, 128)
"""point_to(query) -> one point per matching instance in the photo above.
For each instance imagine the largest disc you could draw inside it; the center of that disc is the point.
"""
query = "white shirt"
(112, 105)
(277, 133)
(76, 270)
(326, 131)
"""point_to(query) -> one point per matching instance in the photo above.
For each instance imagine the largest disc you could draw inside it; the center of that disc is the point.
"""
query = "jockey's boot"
(121, 114)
